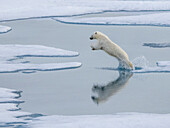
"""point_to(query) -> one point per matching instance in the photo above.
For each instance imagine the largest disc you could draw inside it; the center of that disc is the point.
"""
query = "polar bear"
(104, 43)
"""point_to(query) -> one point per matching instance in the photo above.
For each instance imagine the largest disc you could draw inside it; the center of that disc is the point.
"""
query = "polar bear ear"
(95, 33)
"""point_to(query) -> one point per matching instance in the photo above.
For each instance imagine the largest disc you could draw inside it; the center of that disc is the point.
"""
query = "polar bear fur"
(104, 43)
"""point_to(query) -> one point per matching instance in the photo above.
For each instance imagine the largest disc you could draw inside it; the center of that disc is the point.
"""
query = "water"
(71, 92)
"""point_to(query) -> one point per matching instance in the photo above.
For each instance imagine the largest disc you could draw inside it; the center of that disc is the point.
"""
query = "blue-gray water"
(69, 92)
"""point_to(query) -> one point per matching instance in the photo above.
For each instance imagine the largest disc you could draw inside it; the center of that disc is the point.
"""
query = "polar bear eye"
(95, 32)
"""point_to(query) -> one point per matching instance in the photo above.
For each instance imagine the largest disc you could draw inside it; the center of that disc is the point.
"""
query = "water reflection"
(105, 91)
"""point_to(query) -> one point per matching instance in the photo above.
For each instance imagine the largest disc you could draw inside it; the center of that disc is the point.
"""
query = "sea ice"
(4, 29)
(9, 107)
(22, 9)
(157, 45)
(147, 19)
(122, 120)
(10, 68)
(10, 53)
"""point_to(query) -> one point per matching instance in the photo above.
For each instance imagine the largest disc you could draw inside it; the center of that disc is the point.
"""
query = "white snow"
(20, 9)
(9, 53)
(4, 29)
(160, 19)
(124, 120)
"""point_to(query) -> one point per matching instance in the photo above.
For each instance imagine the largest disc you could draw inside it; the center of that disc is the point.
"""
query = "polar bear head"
(100, 37)
(97, 35)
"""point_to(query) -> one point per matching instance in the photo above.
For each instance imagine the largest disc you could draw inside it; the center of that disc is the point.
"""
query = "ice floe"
(124, 120)
(9, 107)
(160, 19)
(10, 53)
(29, 68)
(157, 45)
(4, 29)
(21, 9)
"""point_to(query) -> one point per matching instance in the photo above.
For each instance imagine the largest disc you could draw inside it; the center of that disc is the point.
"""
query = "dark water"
(89, 89)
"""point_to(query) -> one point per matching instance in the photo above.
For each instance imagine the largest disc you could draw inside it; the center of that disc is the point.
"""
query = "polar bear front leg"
(96, 46)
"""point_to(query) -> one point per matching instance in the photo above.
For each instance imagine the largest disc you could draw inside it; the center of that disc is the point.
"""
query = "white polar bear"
(104, 43)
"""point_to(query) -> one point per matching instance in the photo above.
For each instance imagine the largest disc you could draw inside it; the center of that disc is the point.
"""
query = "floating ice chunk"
(124, 120)
(148, 19)
(22, 9)
(8, 117)
(157, 45)
(4, 29)
(8, 107)
(8, 93)
(163, 63)
(10, 68)
(10, 52)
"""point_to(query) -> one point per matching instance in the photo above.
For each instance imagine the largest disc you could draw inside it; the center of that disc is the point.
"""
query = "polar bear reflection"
(106, 91)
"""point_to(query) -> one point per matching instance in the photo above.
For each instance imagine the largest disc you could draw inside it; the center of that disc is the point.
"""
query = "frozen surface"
(8, 93)
(147, 19)
(9, 107)
(157, 45)
(10, 53)
(29, 68)
(4, 29)
(21, 9)
(124, 120)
